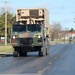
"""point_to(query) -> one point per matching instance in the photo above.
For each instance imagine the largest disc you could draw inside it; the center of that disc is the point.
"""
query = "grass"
(6, 48)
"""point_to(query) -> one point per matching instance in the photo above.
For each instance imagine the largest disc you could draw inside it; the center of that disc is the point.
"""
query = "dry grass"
(6, 48)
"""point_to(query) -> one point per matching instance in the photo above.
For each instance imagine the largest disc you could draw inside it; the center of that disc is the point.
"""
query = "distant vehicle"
(70, 40)
(30, 33)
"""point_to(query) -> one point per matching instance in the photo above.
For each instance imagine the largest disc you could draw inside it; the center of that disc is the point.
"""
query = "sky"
(61, 11)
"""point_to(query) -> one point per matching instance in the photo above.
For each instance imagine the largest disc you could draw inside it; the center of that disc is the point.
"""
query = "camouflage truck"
(30, 32)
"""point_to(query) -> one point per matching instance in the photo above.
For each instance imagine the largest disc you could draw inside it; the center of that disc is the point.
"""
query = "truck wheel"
(15, 54)
(47, 52)
(39, 53)
(20, 54)
(42, 53)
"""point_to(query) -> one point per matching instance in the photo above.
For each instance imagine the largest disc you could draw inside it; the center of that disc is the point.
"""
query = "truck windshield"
(33, 28)
(19, 28)
(25, 28)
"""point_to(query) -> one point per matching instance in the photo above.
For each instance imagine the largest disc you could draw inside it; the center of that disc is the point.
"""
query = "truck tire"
(39, 53)
(47, 52)
(20, 54)
(15, 54)
(42, 53)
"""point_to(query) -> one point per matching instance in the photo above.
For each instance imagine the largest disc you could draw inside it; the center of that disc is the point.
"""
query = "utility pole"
(5, 23)
(5, 2)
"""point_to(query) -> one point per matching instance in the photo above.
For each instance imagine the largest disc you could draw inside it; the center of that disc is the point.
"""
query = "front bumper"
(27, 42)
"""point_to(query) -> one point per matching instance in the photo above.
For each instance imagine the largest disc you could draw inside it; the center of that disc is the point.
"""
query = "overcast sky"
(62, 11)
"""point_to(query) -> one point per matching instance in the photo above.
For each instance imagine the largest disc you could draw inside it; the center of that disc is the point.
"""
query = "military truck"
(30, 32)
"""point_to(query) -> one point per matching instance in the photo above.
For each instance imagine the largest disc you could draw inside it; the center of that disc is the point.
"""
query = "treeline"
(10, 21)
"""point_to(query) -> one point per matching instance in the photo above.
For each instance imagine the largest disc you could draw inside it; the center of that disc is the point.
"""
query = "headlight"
(13, 37)
(39, 36)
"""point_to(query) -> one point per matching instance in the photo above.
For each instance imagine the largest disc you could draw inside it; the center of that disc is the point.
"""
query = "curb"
(6, 54)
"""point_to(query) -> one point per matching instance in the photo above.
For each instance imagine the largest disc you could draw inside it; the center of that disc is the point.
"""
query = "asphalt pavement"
(60, 61)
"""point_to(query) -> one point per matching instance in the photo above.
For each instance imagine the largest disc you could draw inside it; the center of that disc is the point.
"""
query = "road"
(60, 61)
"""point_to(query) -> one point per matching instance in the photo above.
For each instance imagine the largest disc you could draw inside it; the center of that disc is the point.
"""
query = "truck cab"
(30, 32)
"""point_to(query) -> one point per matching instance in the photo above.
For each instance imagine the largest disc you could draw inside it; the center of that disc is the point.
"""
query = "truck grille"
(26, 41)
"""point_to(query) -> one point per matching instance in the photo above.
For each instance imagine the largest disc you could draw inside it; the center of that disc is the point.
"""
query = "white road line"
(40, 72)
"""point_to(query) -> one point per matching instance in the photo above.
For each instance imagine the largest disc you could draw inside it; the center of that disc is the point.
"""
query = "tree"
(2, 25)
(71, 30)
(10, 21)
(56, 30)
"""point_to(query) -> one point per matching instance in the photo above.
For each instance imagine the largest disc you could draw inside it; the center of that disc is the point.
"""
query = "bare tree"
(10, 9)
(56, 31)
